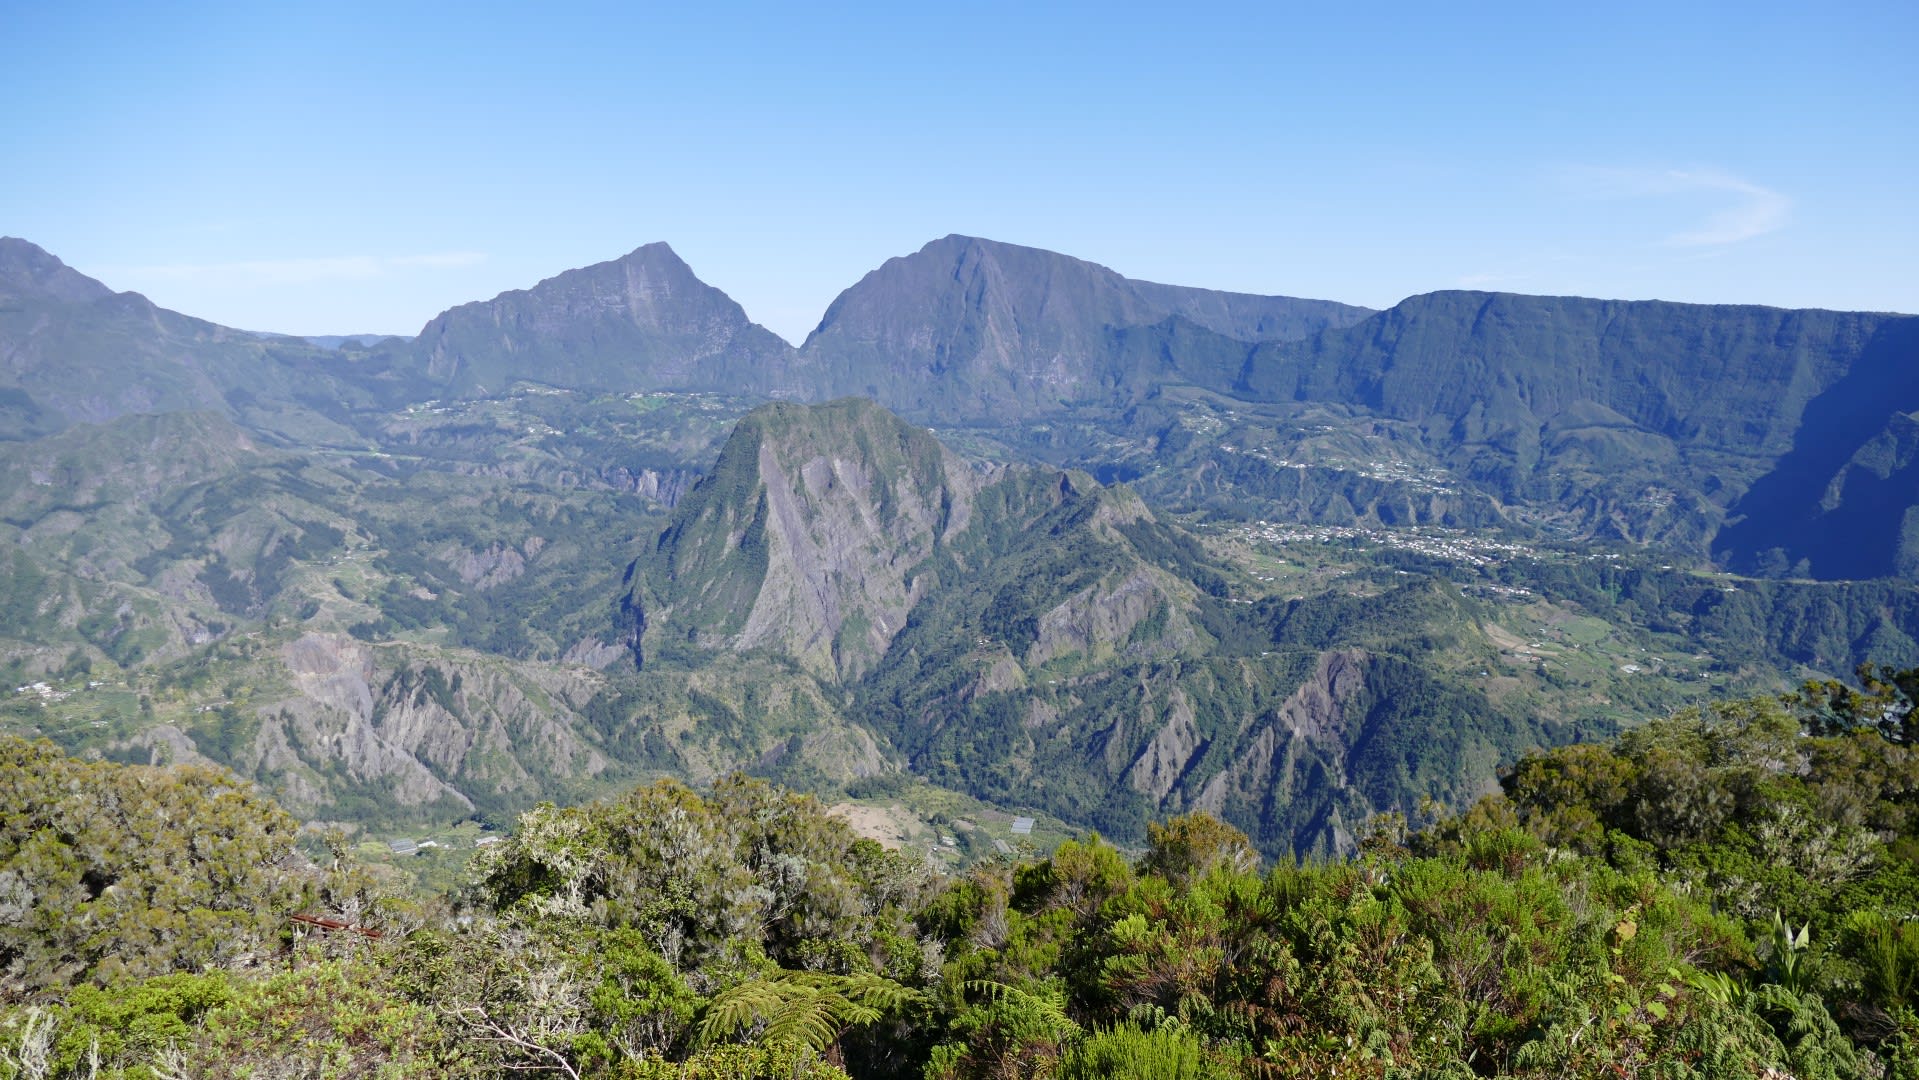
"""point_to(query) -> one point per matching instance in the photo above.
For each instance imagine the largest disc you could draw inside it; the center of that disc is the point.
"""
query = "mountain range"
(1769, 441)
(1290, 561)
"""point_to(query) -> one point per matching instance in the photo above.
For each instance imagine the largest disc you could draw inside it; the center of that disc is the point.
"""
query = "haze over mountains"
(1287, 560)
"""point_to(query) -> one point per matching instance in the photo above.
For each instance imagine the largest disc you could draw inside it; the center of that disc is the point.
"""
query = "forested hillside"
(449, 629)
(1719, 893)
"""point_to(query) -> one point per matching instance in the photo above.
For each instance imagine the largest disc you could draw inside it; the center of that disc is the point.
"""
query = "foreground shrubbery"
(1716, 894)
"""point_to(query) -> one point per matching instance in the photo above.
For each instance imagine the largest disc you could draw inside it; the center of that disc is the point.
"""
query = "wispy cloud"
(1749, 209)
(308, 270)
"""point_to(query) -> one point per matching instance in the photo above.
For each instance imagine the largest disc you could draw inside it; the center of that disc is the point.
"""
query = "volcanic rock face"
(806, 536)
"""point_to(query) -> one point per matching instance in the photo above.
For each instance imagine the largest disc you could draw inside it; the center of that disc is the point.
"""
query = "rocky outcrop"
(594, 653)
(1311, 725)
(418, 729)
(330, 725)
(495, 565)
(1106, 621)
(806, 537)
(1266, 750)
(664, 486)
(1169, 753)
(479, 726)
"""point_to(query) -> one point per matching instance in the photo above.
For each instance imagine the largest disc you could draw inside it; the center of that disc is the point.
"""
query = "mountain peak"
(642, 321)
(960, 245)
(27, 269)
(657, 253)
(962, 241)
(1026, 331)
(807, 535)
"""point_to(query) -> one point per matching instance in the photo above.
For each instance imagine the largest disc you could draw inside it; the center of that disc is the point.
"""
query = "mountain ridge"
(1712, 430)
(24, 264)
(641, 321)
(1020, 329)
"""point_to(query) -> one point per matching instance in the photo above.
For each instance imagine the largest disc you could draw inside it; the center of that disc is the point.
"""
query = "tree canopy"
(1721, 892)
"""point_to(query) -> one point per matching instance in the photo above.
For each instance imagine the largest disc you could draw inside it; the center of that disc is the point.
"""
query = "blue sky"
(357, 168)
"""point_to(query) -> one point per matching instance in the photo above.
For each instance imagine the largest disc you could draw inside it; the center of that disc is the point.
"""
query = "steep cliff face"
(1649, 421)
(1269, 754)
(328, 728)
(1296, 754)
(822, 529)
(643, 321)
(1838, 502)
(1861, 523)
(1497, 366)
(806, 538)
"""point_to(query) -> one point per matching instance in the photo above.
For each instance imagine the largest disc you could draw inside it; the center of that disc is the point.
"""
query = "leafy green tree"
(110, 872)
(1189, 845)
(1882, 702)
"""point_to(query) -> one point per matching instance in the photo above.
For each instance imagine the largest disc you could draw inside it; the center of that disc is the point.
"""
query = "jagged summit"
(805, 536)
(642, 321)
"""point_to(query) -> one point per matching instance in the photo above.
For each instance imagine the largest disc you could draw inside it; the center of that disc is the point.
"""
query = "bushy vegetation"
(1718, 893)
(112, 872)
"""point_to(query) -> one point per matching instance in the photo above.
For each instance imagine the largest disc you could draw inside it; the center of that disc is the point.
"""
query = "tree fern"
(801, 1009)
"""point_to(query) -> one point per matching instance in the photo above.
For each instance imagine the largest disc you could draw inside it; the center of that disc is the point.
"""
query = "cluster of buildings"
(1450, 545)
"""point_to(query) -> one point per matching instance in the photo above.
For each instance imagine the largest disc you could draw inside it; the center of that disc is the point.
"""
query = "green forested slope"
(1718, 894)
